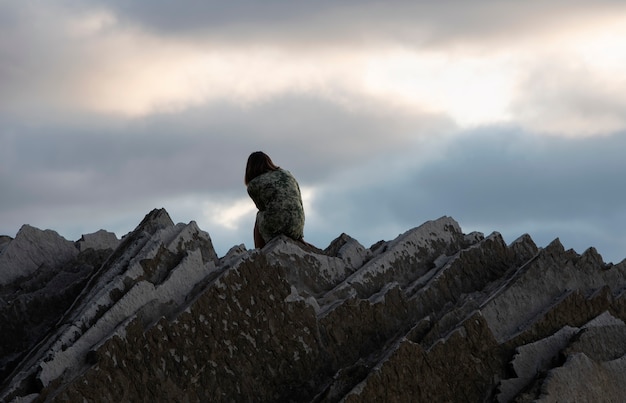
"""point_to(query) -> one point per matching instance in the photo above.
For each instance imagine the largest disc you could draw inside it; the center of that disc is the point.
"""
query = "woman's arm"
(254, 193)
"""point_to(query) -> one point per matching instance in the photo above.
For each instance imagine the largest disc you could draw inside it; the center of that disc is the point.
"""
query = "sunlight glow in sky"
(144, 74)
(471, 90)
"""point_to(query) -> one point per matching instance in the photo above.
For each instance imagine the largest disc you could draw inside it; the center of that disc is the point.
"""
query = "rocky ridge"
(433, 315)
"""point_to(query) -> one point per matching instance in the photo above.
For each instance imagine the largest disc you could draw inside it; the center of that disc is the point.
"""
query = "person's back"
(276, 194)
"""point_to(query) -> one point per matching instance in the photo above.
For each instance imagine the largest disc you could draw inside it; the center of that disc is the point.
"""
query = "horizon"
(222, 252)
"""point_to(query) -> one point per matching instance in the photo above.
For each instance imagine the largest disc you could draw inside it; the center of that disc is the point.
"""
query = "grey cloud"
(421, 23)
(38, 62)
(565, 93)
(494, 179)
(501, 180)
(125, 164)
(375, 176)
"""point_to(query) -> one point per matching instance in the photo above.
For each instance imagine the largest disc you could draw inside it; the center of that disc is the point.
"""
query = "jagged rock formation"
(433, 315)
(41, 274)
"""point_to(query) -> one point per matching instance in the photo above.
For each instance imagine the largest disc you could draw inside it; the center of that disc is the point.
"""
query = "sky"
(508, 116)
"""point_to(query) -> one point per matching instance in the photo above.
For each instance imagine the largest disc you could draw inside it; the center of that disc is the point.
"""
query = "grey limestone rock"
(433, 315)
(98, 240)
(4, 242)
(31, 249)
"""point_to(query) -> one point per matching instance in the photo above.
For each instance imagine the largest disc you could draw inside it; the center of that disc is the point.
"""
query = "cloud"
(357, 22)
(493, 179)
(59, 173)
(571, 101)
(129, 60)
(389, 114)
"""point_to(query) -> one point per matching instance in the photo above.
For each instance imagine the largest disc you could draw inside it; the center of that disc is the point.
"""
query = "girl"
(276, 194)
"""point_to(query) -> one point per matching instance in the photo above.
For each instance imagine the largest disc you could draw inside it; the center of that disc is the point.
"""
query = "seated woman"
(276, 194)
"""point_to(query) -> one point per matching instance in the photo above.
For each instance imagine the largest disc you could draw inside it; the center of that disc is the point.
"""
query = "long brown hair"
(258, 163)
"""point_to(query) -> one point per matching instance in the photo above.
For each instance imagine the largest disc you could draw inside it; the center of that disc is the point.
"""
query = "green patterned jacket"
(277, 196)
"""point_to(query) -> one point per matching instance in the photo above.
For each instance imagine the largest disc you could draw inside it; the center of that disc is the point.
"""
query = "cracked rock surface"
(433, 315)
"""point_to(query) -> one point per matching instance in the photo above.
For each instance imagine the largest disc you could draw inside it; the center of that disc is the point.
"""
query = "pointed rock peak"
(474, 237)
(447, 220)
(27, 229)
(338, 243)
(31, 249)
(29, 232)
(98, 240)
(445, 223)
(442, 229)
(30, 240)
(495, 235)
(524, 245)
(555, 247)
(525, 238)
(155, 220)
(592, 258)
